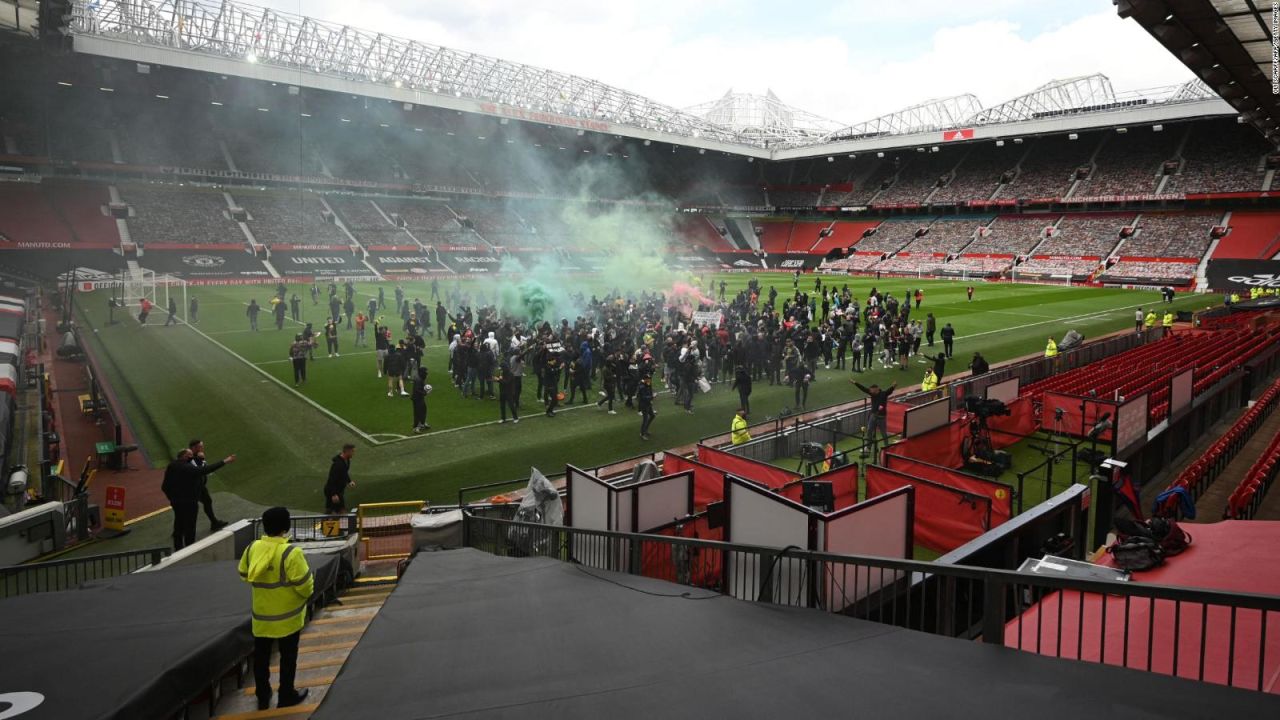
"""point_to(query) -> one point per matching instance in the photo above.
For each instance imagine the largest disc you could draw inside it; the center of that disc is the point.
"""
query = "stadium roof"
(764, 119)
(1227, 44)
(235, 39)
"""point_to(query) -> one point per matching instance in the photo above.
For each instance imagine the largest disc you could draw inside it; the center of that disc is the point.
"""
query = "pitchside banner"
(1242, 275)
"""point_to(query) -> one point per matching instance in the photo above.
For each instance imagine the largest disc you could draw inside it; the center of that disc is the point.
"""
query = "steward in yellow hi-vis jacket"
(739, 428)
(282, 587)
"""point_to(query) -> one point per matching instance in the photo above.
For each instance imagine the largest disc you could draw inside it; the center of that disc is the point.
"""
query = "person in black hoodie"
(551, 382)
(508, 393)
(742, 383)
(609, 378)
(394, 365)
(979, 365)
(335, 488)
(419, 397)
(644, 399)
(181, 485)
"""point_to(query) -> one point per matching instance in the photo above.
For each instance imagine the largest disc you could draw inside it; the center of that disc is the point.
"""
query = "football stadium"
(497, 367)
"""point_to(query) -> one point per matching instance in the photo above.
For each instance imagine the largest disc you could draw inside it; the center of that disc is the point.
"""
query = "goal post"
(136, 284)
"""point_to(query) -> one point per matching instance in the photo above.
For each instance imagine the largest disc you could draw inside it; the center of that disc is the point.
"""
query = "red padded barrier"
(708, 482)
(940, 446)
(844, 483)
(771, 475)
(1000, 494)
(945, 518)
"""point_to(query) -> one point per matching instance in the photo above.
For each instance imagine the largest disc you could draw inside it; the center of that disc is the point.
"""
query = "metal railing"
(315, 527)
(1095, 621)
(67, 574)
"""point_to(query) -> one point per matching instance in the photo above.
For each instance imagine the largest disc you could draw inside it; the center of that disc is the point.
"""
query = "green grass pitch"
(234, 388)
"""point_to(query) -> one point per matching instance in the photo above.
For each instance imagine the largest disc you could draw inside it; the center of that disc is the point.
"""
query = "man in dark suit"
(182, 484)
(335, 488)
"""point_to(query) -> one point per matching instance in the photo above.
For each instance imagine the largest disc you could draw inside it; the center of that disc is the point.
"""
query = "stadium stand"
(788, 197)
(741, 196)
(1059, 267)
(292, 219)
(1196, 478)
(167, 214)
(912, 264)
(1148, 368)
(919, 177)
(422, 215)
(1253, 236)
(1249, 495)
(1048, 168)
(180, 137)
(489, 219)
(1129, 163)
(981, 266)
(1171, 235)
(1220, 156)
(362, 218)
(19, 136)
(1133, 270)
(83, 206)
(27, 217)
(892, 235)
(701, 232)
(869, 185)
(858, 262)
(774, 236)
(366, 160)
(261, 144)
(1085, 234)
(947, 235)
(977, 176)
(806, 236)
(1011, 234)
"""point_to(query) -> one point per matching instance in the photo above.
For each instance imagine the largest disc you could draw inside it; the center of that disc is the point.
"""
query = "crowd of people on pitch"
(622, 347)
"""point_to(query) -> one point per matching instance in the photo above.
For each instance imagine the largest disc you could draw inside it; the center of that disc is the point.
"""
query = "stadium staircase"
(327, 641)
(1213, 502)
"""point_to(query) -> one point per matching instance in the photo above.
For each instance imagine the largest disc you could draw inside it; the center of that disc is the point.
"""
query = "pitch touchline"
(1046, 322)
(334, 416)
(277, 362)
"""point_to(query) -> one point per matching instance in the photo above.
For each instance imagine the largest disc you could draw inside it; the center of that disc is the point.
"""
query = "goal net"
(138, 283)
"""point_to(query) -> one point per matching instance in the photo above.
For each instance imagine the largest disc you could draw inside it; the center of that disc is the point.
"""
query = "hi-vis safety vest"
(1051, 350)
(930, 382)
(1151, 320)
(282, 585)
(739, 428)
(1168, 320)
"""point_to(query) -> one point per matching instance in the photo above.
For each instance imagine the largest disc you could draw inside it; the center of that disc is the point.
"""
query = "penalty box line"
(327, 412)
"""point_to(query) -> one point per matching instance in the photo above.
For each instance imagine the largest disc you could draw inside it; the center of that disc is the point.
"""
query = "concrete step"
(245, 707)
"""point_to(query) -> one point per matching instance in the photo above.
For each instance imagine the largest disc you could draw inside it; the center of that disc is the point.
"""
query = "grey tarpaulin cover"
(469, 635)
(540, 504)
(1070, 340)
